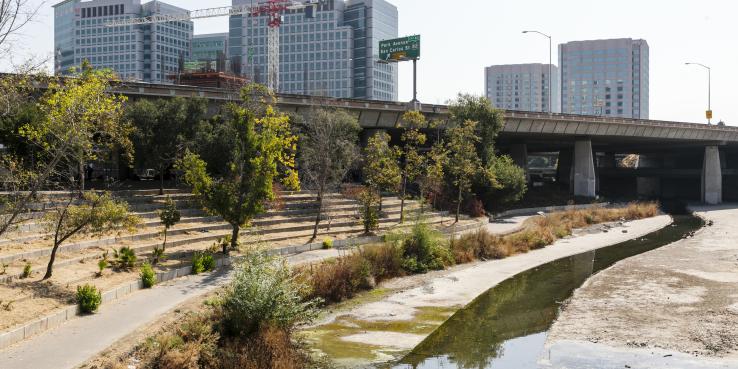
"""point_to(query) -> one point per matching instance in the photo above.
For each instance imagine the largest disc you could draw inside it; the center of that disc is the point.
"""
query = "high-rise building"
(329, 50)
(150, 53)
(605, 77)
(523, 87)
(208, 49)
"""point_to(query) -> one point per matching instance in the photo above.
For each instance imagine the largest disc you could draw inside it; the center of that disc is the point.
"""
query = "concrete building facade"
(148, 53)
(523, 87)
(329, 52)
(605, 77)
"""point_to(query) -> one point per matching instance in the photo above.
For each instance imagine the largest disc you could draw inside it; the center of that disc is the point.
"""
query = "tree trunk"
(458, 206)
(50, 267)
(317, 218)
(164, 245)
(234, 239)
(402, 199)
(81, 178)
(161, 182)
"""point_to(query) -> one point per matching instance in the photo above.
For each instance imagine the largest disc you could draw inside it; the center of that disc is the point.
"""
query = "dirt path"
(676, 306)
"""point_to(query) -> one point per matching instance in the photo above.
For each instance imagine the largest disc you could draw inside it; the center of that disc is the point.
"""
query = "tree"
(328, 150)
(169, 216)
(463, 160)
(413, 162)
(431, 178)
(264, 149)
(97, 214)
(163, 129)
(381, 166)
(14, 15)
(490, 121)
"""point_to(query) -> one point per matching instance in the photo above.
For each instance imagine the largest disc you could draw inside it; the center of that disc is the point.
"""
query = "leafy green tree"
(381, 165)
(463, 160)
(97, 214)
(264, 152)
(490, 121)
(413, 162)
(328, 150)
(511, 182)
(169, 216)
(163, 130)
(433, 175)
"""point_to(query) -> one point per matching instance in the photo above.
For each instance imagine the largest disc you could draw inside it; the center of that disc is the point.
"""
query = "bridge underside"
(615, 166)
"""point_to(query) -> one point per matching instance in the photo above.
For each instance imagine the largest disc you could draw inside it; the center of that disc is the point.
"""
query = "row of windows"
(102, 11)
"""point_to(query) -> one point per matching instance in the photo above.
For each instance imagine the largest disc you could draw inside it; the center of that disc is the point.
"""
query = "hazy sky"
(461, 37)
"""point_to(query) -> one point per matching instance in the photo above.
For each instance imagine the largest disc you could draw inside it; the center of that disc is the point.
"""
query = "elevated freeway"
(689, 160)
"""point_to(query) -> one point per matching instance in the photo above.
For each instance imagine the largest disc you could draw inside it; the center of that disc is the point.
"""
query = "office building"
(149, 53)
(523, 87)
(605, 77)
(329, 50)
(208, 50)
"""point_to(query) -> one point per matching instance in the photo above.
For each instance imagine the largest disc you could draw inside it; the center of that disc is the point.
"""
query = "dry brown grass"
(540, 232)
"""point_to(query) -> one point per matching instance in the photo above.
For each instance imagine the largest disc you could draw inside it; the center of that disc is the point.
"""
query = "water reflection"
(506, 326)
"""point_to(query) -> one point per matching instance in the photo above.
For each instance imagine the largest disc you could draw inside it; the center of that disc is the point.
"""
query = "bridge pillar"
(585, 179)
(649, 187)
(519, 154)
(564, 167)
(712, 177)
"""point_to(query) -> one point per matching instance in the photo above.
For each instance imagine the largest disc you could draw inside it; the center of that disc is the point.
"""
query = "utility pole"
(550, 68)
(708, 114)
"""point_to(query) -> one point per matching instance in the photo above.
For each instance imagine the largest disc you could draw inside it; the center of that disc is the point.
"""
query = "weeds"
(101, 265)
(26, 271)
(203, 262)
(125, 258)
(327, 244)
(158, 255)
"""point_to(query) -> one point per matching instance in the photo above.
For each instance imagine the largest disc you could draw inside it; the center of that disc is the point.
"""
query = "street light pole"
(709, 90)
(550, 68)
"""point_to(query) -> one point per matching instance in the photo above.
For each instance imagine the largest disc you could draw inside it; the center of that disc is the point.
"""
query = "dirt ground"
(682, 298)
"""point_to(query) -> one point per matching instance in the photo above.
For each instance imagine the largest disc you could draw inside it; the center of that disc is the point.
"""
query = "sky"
(461, 37)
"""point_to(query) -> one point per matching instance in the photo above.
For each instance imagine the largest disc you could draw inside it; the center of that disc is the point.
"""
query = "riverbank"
(676, 306)
(387, 323)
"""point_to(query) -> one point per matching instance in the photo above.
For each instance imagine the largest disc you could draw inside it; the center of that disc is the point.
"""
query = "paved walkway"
(673, 307)
(78, 340)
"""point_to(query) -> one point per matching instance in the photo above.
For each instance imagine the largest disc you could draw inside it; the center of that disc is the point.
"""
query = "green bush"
(88, 298)
(264, 293)
(158, 255)
(327, 244)
(125, 258)
(203, 262)
(148, 276)
(26, 271)
(101, 265)
(425, 249)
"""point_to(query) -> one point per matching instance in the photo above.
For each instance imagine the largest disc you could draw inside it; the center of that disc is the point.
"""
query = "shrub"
(369, 212)
(385, 261)
(3, 268)
(265, 293)
(26, 271)
(425, 249)
(203, 262)
(125, 258)
(327, 244)
(340, 279)
(88, 298)
(148, 276)
(101, 265)
(474, 208)
(158, 255)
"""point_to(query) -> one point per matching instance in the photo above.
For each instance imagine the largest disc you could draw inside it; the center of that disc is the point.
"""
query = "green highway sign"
(405, 48)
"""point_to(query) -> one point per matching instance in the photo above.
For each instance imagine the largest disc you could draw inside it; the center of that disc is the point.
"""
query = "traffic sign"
(405, 48)
(709, 114)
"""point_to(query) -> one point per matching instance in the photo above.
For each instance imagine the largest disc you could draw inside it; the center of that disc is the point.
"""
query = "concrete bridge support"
(712, 177)
(519, 154)
(585, 179)
(649, 187)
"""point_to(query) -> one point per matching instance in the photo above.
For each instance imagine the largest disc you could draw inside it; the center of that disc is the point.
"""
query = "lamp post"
(709, 90)
(550, 67)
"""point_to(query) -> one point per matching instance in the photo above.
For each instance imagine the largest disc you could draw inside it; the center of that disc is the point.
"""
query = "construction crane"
(273, 9)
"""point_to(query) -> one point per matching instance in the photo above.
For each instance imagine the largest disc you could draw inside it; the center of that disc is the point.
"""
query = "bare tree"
(14, 15)
(328, 150)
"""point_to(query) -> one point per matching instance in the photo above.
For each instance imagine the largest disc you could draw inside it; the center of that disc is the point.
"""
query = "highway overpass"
(685, 160)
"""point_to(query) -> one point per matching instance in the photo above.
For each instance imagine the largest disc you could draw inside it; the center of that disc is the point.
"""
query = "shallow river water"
(506, 327)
